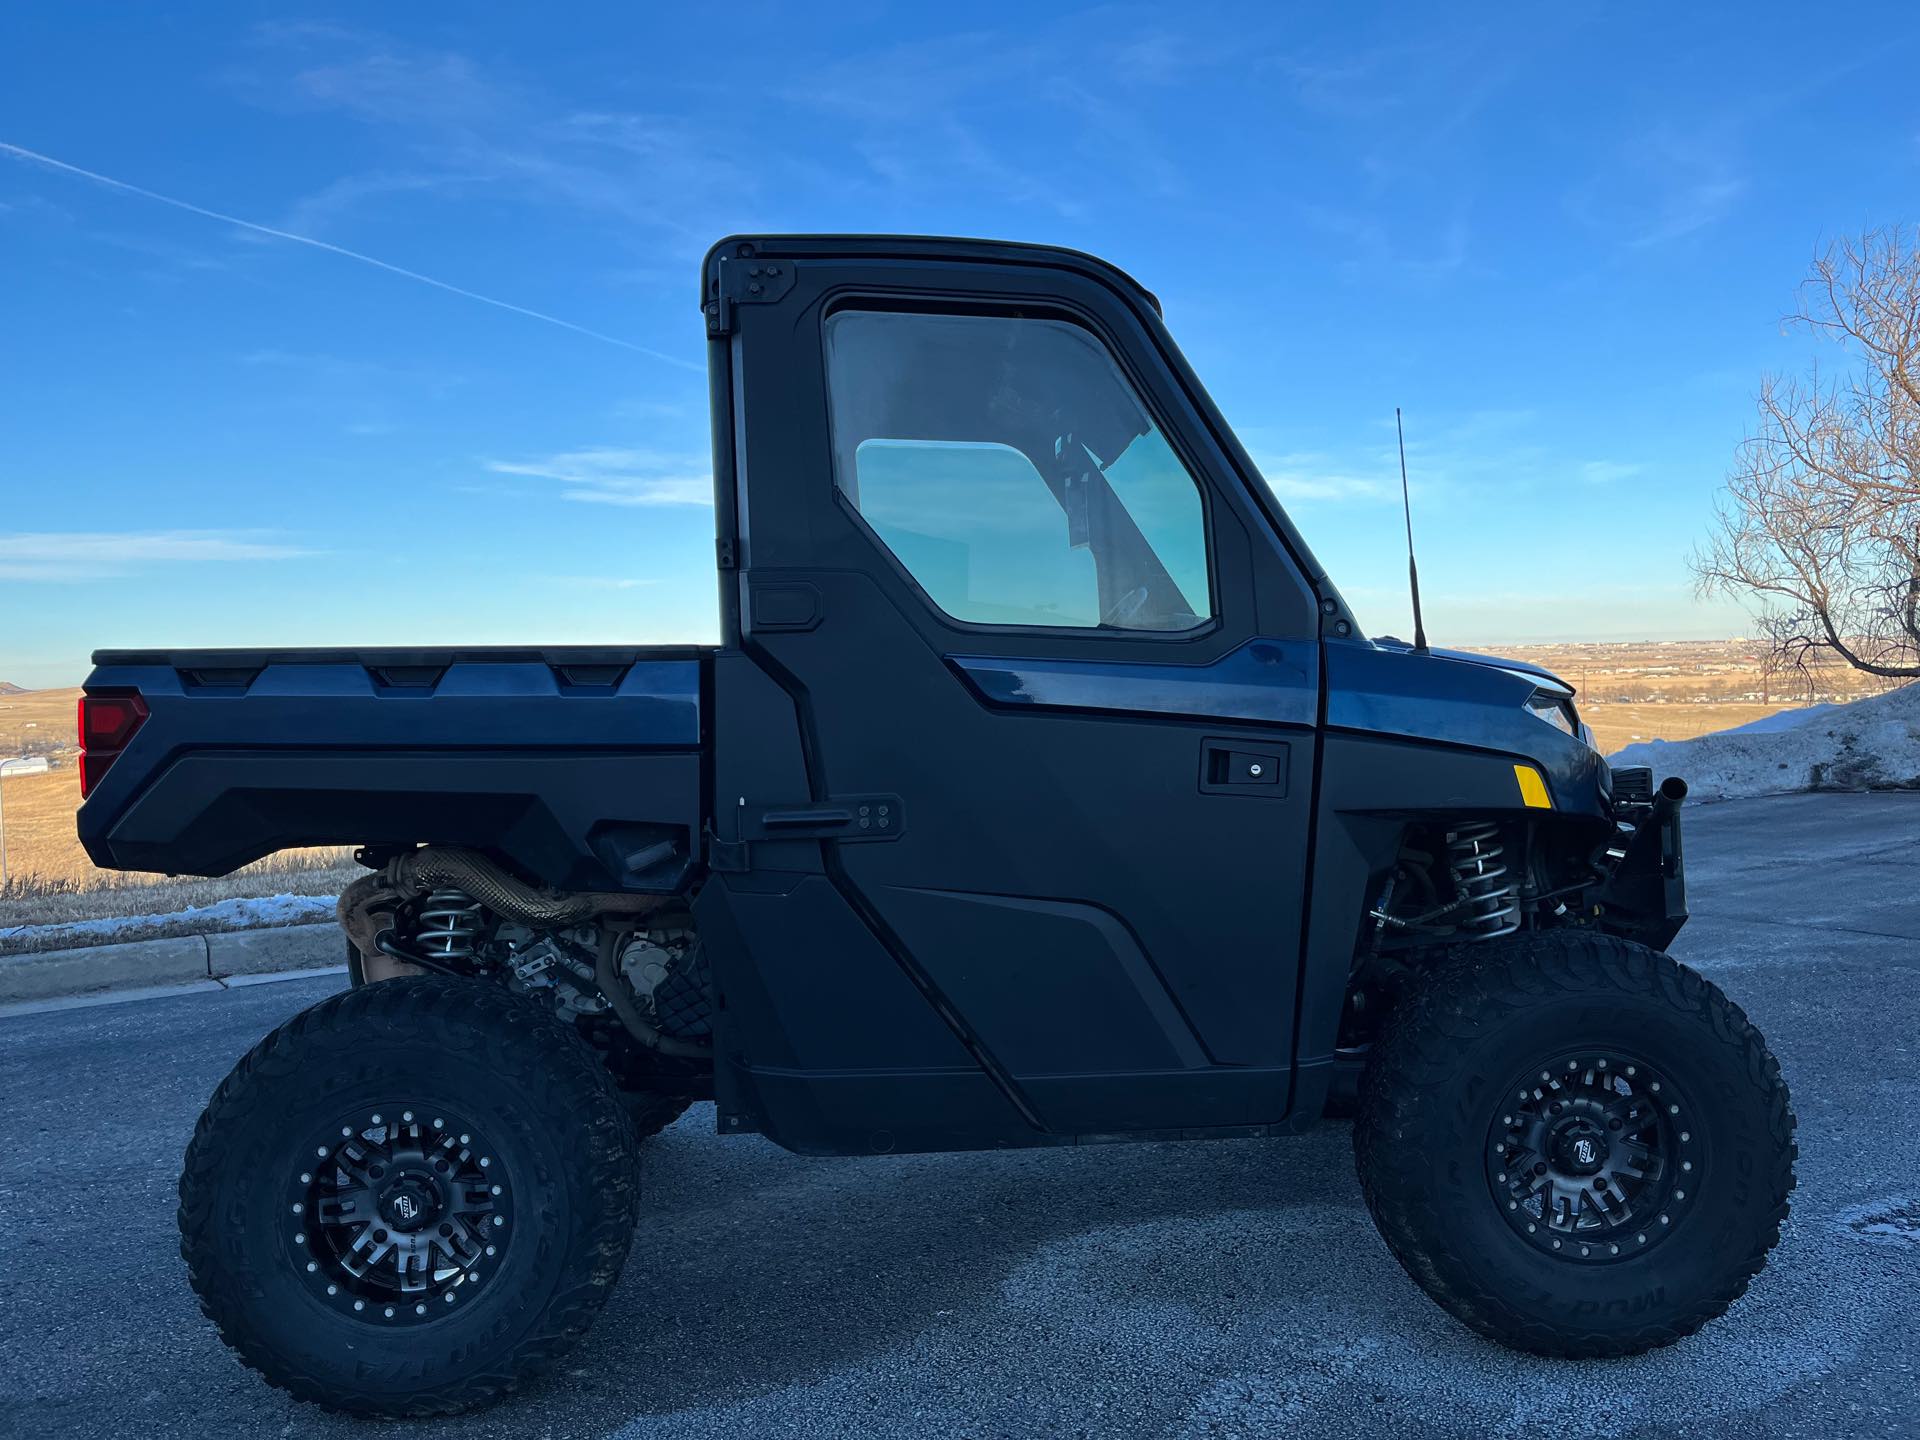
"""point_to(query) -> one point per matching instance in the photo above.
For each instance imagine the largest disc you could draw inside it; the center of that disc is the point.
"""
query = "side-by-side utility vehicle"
(1042, 791)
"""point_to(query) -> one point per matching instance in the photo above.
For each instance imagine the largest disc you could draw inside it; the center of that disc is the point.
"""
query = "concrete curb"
(176, 960)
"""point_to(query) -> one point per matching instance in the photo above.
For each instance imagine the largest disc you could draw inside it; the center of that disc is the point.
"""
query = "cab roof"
(921, 247)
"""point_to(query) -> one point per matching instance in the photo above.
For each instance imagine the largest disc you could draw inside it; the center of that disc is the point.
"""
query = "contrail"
(21, 152)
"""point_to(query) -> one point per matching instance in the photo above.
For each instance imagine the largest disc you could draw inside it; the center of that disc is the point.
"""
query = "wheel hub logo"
(405, 1207)
(1583, 1151)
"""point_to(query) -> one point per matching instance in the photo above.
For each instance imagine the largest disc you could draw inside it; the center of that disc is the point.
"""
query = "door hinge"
(744, 280)
(729, 553)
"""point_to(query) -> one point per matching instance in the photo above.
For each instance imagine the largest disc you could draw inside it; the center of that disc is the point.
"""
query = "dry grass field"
(1628, 692)
(1675, 690)
(48, 876)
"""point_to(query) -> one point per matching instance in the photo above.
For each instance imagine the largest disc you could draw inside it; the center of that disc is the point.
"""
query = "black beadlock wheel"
(409, 1198)
(1573, 1144)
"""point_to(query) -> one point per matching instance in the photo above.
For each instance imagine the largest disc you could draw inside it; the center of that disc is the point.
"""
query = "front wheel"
(1574, 1144)
(409, 1197)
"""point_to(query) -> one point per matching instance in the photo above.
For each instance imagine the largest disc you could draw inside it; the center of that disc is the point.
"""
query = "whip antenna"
(1413, 570)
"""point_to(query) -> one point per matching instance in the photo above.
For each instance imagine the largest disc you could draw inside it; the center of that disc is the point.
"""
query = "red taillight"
(107, 723)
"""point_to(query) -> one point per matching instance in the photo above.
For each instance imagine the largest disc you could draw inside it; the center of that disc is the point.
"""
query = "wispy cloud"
(619, 476)
(97, 554)
(607, 582)
(1302, 476)
(1605, 472)
(1661, 186)
(461, 126)
(20, 152)
(1475, 452)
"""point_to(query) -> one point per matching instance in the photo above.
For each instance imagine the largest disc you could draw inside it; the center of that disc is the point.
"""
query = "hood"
(1497, 662)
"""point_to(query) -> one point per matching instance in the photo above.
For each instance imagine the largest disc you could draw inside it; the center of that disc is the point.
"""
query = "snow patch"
(1871, 744)
(238, 914)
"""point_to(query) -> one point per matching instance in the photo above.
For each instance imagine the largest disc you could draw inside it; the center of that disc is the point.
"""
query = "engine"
(614, 962)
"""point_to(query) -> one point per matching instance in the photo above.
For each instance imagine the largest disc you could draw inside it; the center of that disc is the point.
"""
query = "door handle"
(1232, 767)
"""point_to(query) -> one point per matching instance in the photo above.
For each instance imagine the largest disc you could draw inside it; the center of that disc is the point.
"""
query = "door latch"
(1229, 767)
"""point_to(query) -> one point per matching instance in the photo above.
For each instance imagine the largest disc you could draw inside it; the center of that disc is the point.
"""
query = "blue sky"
(1561, 237)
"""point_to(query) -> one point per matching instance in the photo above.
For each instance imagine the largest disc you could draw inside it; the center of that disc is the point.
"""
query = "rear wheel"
(652, 1112)
(409, 1197)
(1574, 1144)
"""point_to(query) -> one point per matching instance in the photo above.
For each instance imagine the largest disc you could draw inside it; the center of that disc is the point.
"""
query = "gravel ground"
(1228, 1289)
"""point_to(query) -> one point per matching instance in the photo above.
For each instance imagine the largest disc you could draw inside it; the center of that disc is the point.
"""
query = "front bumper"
(1645, 895)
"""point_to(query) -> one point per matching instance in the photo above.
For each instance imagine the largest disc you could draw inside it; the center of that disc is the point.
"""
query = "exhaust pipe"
(474, 875)
(366, 906)
(1667, 798)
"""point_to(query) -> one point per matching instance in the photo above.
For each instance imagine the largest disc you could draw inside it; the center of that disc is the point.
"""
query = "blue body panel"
(1447, 699)
(1275, 682)
(655, 704)
(566, 760)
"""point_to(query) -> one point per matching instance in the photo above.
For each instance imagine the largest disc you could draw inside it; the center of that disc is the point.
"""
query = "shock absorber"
(449, 925)
(1488, 898)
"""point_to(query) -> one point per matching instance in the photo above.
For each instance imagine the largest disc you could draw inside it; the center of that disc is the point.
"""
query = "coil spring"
(1490, 905)
(449, 925)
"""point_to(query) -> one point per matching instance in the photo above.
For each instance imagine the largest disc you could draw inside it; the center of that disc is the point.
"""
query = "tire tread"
(539, 1056)
(1474, 987)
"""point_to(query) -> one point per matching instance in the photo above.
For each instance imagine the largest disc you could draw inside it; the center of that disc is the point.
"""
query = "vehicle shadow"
(753, 1269)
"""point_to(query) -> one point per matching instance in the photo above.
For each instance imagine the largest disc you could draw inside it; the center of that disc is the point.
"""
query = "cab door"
(1056, 675)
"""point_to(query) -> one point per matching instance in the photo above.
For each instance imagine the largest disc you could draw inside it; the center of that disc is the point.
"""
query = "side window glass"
(1010, 468)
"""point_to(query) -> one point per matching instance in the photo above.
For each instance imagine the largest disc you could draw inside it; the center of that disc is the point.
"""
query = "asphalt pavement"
(1224, 1289)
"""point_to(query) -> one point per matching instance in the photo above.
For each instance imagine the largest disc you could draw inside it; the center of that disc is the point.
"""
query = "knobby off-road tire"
(469, 1088)
(1484, 1049)
(651, 1112)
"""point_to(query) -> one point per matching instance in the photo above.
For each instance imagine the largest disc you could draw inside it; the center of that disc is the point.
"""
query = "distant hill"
(7, 687)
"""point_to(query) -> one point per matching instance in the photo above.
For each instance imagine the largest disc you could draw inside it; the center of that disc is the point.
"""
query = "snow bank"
(1871, 744)
(238, 914)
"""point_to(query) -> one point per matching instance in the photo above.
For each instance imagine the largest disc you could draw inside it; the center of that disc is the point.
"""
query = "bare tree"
(1820, 523)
